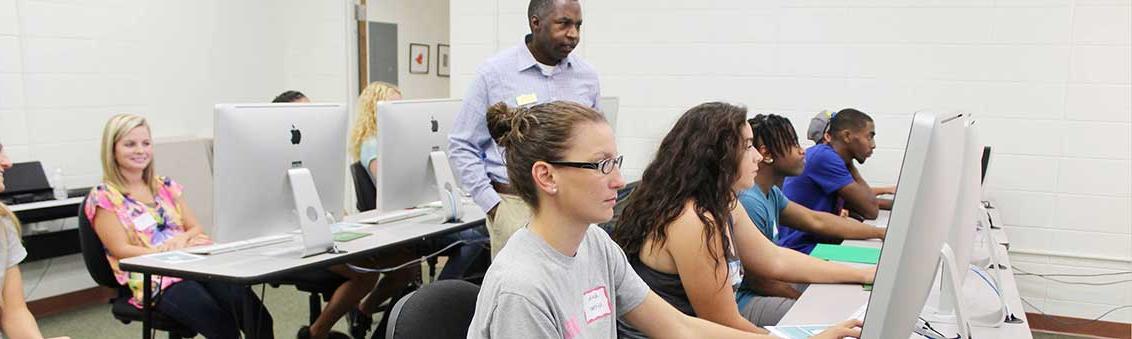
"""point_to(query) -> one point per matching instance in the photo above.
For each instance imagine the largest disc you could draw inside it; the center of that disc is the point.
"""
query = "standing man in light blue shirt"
(539, 70)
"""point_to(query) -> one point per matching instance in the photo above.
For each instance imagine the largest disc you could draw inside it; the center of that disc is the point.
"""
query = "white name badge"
(735, 272)
(144, 222)
(526, 99)
(596, 303)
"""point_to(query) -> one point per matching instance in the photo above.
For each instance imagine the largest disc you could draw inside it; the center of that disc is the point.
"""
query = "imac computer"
(609, 107)
(276, 168)
(978, 291)
(411, 139)
(962, 235)
(920, 222)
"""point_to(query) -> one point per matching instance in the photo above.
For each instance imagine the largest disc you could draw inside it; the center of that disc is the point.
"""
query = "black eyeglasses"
(605, 166)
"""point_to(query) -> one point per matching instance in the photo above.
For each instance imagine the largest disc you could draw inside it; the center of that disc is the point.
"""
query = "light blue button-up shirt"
(502, 78)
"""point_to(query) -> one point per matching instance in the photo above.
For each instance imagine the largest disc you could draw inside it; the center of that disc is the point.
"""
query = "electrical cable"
(416, 261)
(1074, 323)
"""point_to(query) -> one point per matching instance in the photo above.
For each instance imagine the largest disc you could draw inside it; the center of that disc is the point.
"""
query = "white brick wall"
(1049, 80)
(65, 67)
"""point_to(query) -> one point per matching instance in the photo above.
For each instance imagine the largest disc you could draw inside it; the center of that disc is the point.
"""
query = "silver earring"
(768, 160)
(554, 190)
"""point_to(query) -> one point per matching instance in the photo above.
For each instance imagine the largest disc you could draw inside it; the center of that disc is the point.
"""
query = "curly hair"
(365, 124)
(697, 161)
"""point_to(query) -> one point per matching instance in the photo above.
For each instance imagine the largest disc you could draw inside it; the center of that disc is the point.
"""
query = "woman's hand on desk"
(868, 274)
(175, 243)
(850, 328)
(200, 240)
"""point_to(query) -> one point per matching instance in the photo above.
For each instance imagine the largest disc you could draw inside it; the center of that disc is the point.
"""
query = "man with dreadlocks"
(767, 205)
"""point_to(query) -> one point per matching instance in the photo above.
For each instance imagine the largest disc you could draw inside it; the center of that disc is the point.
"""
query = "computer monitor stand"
(950, 307)
(312, 217)
(446, 188)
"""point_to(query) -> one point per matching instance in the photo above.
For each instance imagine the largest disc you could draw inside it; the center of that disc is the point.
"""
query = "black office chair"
(319, 283)
(439, 310)
(364, 188)
(94, 255)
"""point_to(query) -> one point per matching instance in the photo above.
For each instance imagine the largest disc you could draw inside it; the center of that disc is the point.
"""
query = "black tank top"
(669, 286)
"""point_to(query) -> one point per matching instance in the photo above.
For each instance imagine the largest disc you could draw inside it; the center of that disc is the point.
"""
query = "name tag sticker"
(144, 221)
(526, 99)
(597, 306)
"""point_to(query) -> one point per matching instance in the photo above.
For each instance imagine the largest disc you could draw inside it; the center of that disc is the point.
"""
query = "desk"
(49, 244)
(253, 266)
(831, 303)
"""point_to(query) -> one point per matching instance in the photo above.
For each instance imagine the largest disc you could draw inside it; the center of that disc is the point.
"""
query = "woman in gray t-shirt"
(16, 320)
(561, 276)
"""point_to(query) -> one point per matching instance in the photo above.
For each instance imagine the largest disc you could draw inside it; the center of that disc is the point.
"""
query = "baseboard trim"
(1079, 327)
(70, 301)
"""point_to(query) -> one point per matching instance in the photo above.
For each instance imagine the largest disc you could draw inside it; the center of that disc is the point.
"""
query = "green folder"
(863, 255)
(344, 236)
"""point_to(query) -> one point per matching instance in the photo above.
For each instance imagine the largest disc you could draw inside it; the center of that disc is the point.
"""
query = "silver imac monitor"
(962, 236)
(408, 132)
(609, 107)
(254, 147)
(920, 220)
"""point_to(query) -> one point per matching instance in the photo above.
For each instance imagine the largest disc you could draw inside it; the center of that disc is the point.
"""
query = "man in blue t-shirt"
(831, 182)
(766, 204)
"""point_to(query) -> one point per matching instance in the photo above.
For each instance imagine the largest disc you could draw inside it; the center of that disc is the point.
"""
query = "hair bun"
(509, 126)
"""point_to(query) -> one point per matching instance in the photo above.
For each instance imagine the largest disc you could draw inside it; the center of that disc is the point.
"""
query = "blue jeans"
(467, 254)
(216, 310)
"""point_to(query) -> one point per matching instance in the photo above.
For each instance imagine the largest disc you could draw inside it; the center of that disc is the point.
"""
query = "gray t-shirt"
(13, 251)
(534, 291)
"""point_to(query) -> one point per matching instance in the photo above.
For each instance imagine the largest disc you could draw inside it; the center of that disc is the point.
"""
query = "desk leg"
(147, 310)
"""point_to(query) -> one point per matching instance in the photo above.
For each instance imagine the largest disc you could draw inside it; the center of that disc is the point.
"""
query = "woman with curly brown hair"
(690, 240)
(561, 276)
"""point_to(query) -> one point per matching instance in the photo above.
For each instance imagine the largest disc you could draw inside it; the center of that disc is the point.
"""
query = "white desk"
(830, 303)
(50, 244)
(256, 265)
(46, 204)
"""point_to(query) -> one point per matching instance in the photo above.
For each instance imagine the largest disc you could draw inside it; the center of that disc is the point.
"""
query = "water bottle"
(58, 187)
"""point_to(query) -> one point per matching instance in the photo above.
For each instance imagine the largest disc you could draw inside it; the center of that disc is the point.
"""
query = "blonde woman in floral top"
(135, 212)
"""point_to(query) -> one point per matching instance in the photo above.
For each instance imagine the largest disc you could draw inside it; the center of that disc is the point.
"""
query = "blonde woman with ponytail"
(363, 136)
(16, 320)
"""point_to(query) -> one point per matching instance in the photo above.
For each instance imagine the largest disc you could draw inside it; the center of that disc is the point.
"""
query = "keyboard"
(241, 245)
(388, 217)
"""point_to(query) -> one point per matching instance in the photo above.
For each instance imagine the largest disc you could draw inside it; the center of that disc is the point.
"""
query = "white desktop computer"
(986, 306)
(920, 222)
(411, 139)
(609, 107)
(276, 168)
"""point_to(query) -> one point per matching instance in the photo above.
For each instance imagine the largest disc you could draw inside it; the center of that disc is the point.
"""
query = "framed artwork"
(443, 68)
(418, 58)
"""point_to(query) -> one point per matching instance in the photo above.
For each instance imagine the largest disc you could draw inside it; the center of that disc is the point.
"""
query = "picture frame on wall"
(443, 60)
(418, 58)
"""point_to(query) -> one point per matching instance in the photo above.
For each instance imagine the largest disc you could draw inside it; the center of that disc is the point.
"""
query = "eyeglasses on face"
(605, 166)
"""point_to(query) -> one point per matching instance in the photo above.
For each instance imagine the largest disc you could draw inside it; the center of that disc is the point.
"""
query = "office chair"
(94, 255)
(364, 187)
(320, 283)
(439, 310)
